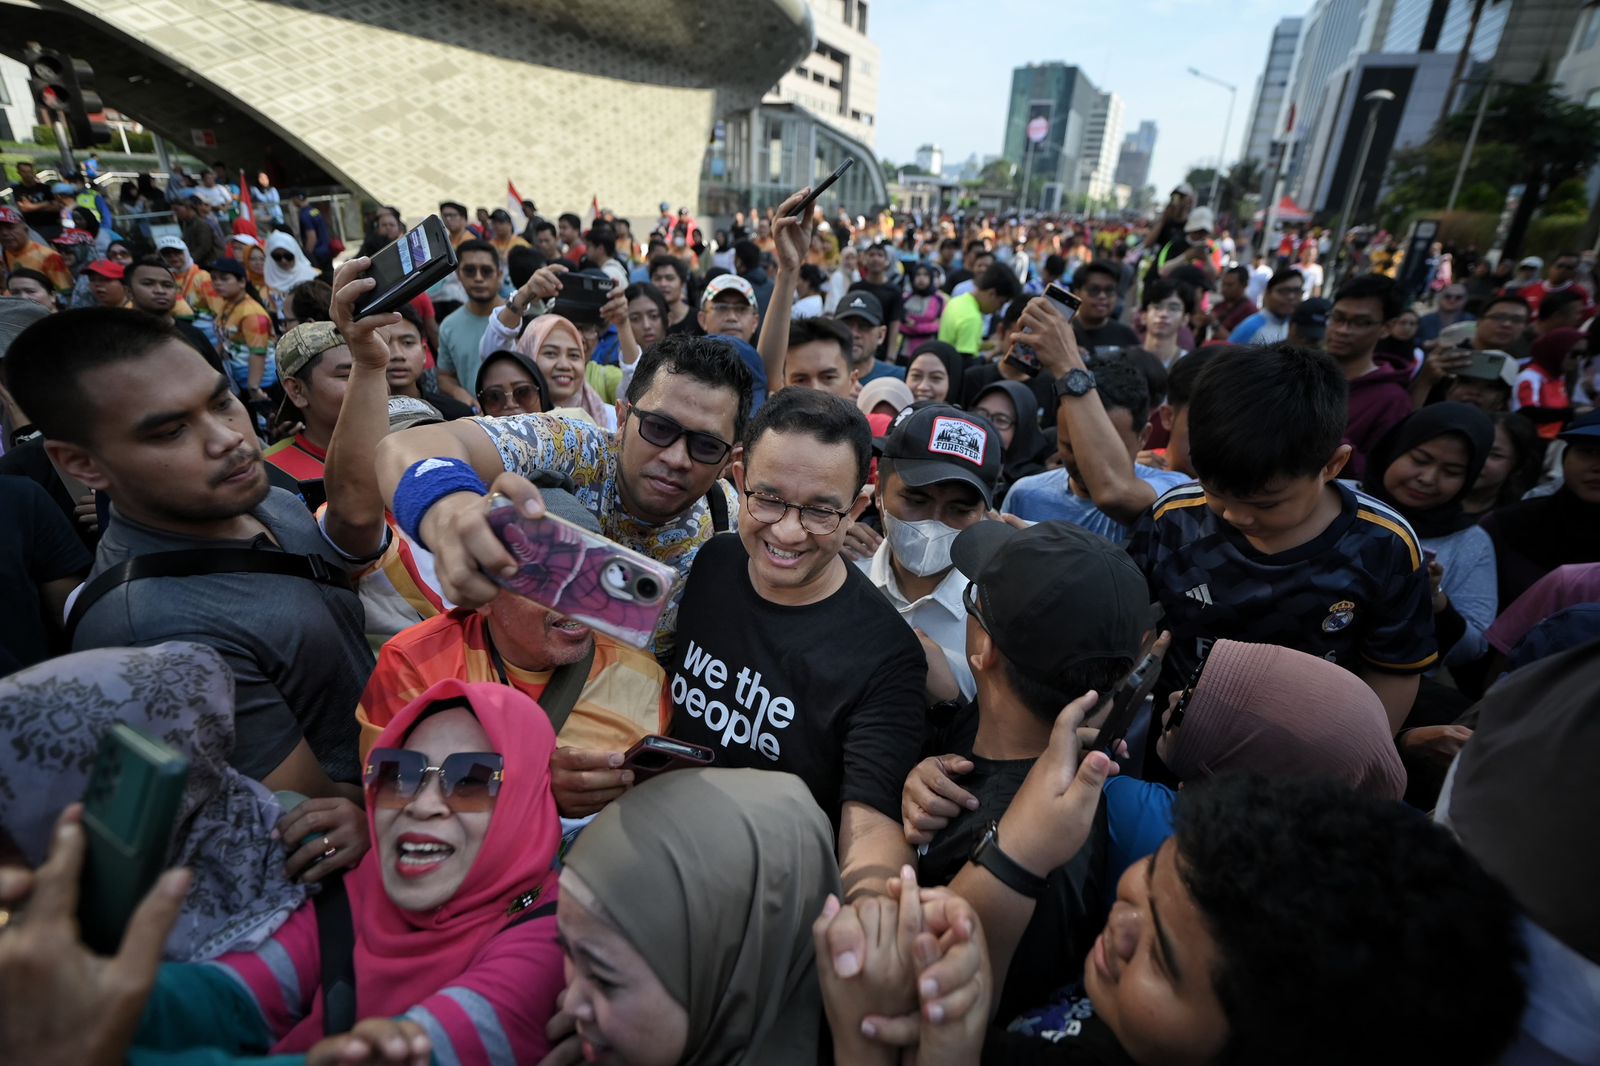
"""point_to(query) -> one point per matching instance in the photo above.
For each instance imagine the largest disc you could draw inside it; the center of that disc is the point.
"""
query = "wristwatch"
(1076, 382)
(1007, 870)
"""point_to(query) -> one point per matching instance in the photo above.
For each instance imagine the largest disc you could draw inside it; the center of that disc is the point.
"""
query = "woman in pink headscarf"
(557, 347)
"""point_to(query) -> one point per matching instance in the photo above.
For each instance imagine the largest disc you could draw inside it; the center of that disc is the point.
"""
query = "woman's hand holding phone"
(60, 1002)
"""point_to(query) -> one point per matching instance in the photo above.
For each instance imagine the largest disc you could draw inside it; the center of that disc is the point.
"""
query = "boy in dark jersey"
(1268, 547)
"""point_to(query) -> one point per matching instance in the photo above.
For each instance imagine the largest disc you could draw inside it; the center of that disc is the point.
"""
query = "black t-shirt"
(954, 278)
(46, 223)
(37, 545)
(832, 692)
(894, 307)
(1112, 334)
(29, 459)
(1066, 1033)
(1066, 918)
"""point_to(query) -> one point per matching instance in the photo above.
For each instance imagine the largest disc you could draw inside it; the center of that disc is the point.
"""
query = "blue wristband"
(425, 483)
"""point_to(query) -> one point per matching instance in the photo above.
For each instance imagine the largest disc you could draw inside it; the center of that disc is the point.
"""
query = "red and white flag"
(519, 221)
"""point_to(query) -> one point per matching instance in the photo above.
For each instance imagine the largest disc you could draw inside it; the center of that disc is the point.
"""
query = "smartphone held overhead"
(806, 204)
(419, 259)
(1021, 356)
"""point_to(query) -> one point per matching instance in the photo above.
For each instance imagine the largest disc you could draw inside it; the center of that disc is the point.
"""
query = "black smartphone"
(1021, 356)
(1127, 701)
(129, 811)
(583, 293)
(805, 205)
(656, 755)
(411, 264)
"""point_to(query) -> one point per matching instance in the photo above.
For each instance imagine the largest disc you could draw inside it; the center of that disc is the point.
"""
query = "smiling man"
(129, 409)
(787, 657)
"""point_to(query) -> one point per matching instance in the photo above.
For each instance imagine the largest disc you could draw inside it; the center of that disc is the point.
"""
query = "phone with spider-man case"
(582, 575)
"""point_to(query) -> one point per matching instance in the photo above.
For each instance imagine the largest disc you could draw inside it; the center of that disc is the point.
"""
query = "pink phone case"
(583, 575)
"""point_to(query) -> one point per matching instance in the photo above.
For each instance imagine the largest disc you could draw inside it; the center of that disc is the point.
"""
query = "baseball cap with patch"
(729, 283)
(304, 343)
(937, 442)
(1053, 595)
(862, 305)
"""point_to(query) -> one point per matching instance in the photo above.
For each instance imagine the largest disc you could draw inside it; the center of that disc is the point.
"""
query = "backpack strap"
(336, 941)
(717, 500)
(560, 693)
(202, 562)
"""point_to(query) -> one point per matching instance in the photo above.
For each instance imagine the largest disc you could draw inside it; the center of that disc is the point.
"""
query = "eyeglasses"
(478, 271)
(1188, 693)
(470, 779)
(1099, 290)
(769, 510)
(969, 599)
(1507, 320)
(1448, 295)
(999, 421)
(662, 431)
(1344, 321)
(521, 396)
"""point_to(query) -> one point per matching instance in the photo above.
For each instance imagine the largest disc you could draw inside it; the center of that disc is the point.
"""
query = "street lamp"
(1375, 101)
(1233, 92)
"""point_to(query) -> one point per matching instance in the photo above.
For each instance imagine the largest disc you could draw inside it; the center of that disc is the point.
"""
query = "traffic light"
(64, 87)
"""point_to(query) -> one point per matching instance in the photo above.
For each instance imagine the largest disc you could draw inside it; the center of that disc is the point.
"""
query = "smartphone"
(411, 264)
(129, 811)
(1484, 366)
(1021, 356)
(582, 575)
(656, 755)
(1429, 556)
(805, 205)
(1127, 701)
(583, 293)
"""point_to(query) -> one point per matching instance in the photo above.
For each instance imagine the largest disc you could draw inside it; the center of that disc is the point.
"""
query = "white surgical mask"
(921, 547)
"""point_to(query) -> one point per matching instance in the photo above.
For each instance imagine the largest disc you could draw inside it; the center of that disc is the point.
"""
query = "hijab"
(1029, 448)
(52, 718)
(257, 277)
(1436, 420)
(1549, 353)
(539, 331)
(715, 877)
(524, 361)
(1259, 708)
(403, 957)
(954, 365)
(1524, 797)
(283, 279)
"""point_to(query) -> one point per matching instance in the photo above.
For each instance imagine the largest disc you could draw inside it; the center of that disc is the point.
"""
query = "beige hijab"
(715, 877)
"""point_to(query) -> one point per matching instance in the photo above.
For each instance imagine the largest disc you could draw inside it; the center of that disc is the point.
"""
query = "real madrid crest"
(1340, 615)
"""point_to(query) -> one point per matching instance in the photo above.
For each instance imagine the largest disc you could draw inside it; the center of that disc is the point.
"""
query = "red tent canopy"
(1289, 211)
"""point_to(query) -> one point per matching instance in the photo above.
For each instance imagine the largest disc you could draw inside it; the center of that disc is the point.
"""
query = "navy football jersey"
(1356, 595)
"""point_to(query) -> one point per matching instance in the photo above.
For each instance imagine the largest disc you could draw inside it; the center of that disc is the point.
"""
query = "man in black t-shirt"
(37, 204)
(1097, 332)
(1053, 611)
(787, 658)
(876, 280)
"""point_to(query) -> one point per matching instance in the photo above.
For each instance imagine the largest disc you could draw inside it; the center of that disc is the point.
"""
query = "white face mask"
(921, 547)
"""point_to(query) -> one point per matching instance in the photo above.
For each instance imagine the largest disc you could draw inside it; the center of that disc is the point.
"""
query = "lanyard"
(494, 656)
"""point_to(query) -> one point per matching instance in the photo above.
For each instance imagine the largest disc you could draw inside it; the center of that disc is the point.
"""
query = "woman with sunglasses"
(509, 383)
(452, 911)
(285, 268)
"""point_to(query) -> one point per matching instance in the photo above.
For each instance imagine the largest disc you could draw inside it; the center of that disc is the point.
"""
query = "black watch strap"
(1007, 870)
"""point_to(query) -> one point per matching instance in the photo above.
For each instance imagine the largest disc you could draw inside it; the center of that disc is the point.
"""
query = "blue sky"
(946, 70)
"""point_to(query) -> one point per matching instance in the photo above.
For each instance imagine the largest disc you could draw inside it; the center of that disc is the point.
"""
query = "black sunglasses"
(662, 431)
(283, 257)
(470, 779)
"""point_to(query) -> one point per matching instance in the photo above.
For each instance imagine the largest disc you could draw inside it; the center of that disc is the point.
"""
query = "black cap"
(1053, 595)
(937, 442)
(861, 304)
(1311, 318)
(227, 266)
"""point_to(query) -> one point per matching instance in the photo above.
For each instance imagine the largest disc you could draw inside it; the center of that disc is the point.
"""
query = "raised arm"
(792, 239)
(1102, 458)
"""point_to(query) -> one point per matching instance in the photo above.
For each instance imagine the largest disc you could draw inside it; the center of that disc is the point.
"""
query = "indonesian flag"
(245, 207)
(593, 213)
(519, 221)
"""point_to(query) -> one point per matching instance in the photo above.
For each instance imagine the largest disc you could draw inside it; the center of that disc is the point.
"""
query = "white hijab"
(280, 279)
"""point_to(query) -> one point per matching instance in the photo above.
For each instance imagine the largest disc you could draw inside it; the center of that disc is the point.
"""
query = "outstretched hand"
(367, 346)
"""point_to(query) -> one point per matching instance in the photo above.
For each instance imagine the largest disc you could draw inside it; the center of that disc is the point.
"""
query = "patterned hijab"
(715, 877)
(52, 717)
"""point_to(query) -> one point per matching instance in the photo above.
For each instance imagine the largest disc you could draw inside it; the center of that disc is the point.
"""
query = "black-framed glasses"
(1188, 693)
(769, 510)
(470, 779)
(478, 270)
(662, 431)
(520, 395)
(969, 599)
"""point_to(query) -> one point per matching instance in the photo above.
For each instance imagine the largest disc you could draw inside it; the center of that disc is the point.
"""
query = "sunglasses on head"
(662, 431)
(470, 779)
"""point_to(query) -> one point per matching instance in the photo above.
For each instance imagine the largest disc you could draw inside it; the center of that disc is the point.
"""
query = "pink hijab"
(1269, 710)
(537, 334)
(403, 957)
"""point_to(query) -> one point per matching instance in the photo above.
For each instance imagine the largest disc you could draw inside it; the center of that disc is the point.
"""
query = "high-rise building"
(1058, 100)
(1133, 161)
(930, 158)
(1102, 137)
(1266, 113)
(838, 81)
(1334, 32)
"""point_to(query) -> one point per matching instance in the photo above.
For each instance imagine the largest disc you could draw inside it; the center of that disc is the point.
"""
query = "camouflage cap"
(304, 343)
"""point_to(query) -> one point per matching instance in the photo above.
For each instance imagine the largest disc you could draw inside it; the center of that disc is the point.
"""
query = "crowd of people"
(928, 532)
